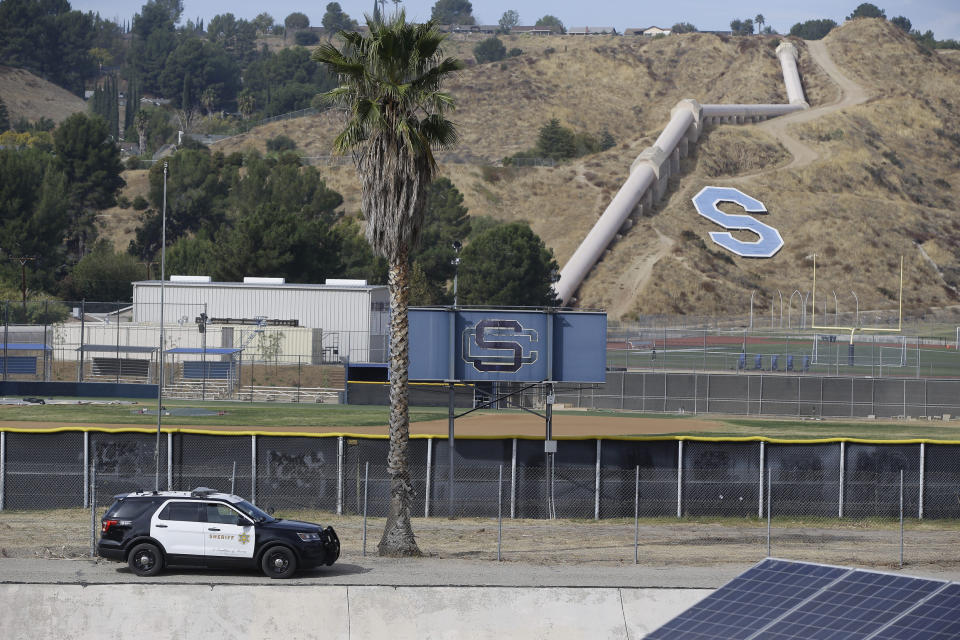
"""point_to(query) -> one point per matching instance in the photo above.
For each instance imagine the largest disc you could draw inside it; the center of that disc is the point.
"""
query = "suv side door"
(179, 526)
(229, 533)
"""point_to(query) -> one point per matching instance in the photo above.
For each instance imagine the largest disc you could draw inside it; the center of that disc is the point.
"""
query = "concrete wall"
(333, 612)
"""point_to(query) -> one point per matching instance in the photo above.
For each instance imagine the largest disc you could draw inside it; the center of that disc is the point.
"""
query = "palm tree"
(760, 20)
(140, 122)
(390, 86)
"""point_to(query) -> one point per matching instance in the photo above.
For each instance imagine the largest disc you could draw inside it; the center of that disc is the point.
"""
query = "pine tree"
(4, 116)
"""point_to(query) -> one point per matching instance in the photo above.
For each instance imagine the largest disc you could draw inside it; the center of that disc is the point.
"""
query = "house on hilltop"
(649, 32)
(592, 31)
(543, 30)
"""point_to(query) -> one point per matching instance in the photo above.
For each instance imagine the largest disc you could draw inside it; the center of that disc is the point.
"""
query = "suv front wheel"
(145, 559)
(279, 562)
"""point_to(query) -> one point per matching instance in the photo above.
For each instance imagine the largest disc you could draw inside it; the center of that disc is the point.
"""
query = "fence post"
(596, 495)
(636, 518)
(253, 468)
(340, 475)
(769, 501)
(762, 455)
(499, 512)
(3, 468)
(679, 478)
(169, 461)
(843, 452)
(86, 465)
(513, 481)
(901, 518)
(366, 485)
(426, 497)
(93, 509)
(923, 465)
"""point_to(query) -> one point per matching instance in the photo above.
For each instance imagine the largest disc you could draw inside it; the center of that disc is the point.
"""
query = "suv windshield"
(255, 514)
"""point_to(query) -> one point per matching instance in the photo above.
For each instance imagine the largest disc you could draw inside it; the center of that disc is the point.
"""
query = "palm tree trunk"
(398, 538)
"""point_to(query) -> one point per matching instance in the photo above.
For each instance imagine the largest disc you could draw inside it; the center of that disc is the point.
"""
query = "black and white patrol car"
(204, 528)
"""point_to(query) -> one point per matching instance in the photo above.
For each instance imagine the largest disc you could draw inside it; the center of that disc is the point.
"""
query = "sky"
(940, 16)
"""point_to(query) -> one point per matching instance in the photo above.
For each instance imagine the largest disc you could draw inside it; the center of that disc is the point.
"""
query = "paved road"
(384, 571)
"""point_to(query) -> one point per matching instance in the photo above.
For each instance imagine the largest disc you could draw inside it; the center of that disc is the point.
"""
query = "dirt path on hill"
(851, 94)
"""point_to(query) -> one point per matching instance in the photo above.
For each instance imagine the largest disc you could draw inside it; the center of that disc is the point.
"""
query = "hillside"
(30, 97)
(882, 179)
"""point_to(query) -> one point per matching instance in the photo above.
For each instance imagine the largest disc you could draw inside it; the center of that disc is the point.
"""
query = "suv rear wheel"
(145, 559)
(278, 562)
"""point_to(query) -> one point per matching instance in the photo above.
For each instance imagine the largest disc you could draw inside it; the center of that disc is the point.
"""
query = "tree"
(556, 141)
(90, 161)
(335, 20)
(445, 221)
(683, 27)
(246, 103)
(296, 21)
(867, 10)
(507, 265)
(4, 117)
(742, 27)
(263, 22)
(452, 12)
(760, 21)
(553, 22)
(509, 20)
(305, 38)
(102, 274)
(391, 84)
(489, 50)
(903, 23)
(812, 29)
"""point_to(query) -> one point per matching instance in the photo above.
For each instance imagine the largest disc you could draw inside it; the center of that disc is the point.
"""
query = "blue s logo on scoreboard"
(769, 241)
(499, 345)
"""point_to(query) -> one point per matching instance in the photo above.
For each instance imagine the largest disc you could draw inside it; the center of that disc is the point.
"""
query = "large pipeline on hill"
(652, 168)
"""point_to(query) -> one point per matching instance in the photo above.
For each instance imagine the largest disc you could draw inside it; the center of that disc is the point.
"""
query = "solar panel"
(938, 618)
(750, 601)
(854, 607)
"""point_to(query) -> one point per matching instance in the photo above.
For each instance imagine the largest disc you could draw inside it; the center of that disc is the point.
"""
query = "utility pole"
(23, 260)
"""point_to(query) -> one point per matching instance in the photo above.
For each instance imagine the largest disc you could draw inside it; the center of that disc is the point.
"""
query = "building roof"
(576, 31)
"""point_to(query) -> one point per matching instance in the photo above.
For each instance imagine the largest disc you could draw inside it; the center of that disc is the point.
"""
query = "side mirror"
(242, 522)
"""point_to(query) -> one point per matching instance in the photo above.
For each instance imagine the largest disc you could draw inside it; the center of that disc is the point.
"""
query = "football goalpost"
(890, 356)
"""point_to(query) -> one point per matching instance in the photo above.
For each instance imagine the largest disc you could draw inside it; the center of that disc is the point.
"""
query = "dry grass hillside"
(30, 97)
(885, 181)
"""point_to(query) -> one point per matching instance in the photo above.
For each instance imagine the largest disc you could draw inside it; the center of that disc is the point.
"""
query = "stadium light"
(457, 245)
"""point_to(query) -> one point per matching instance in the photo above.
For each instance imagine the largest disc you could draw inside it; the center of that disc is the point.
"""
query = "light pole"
(781, 308)
(752, 293)
(856, 319)
(163, 264)
(790, 307)
(836, 308)
(457, 245)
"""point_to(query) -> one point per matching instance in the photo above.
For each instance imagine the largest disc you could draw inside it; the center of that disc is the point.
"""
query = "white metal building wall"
(331, 308)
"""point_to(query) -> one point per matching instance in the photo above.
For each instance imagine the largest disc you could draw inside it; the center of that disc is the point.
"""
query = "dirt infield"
(479, 424)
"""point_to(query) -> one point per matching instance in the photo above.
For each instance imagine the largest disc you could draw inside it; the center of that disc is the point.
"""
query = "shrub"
(140, 203)
(513, 53)
(281, 143)
(306, 38)
(123, 201)
(133, 163)
(490, 50)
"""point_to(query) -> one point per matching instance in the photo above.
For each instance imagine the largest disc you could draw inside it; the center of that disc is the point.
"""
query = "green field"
(715, 353)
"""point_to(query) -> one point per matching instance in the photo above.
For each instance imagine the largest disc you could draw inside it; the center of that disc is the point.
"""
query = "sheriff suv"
(204, 528)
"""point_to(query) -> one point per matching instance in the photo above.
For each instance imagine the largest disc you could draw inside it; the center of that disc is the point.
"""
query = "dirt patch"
(67, 534)
(28, 96)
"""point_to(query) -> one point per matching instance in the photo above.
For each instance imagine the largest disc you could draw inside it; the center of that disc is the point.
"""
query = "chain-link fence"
(684, 501)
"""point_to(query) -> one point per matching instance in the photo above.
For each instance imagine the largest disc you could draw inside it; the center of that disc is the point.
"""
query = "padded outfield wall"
(593, 477)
